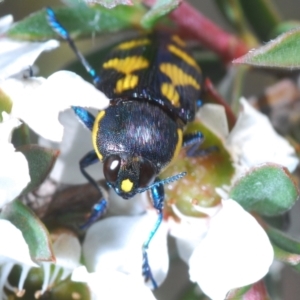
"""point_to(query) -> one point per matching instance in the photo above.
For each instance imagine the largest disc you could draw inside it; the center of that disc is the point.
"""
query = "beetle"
(154, 87)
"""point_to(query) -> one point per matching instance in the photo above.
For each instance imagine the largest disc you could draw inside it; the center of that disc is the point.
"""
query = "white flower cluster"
(226, 250)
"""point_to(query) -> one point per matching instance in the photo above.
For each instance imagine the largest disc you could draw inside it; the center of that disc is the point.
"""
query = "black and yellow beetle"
(154, 85)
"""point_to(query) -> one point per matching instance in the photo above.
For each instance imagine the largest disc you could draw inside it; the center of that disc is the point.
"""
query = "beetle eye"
(147, 174)
(111, 167)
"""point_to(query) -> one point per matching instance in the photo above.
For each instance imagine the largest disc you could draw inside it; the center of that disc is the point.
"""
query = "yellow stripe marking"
(169, 91)
(126, 185)
(178, 76)
(133, 44)
(127, 65)
(178, 40)
(184, 56)
(178, 145)
(95, 130)
(126, 83)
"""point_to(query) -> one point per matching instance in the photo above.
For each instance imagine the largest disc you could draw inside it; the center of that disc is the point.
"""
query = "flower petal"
(236, 252)
(253, 141)
(213, 116)
(40, 104)
(16, 56)
(13, 246)
(67, 250)
(5, 23)
(75, 144)
(115, 243)
(111, 285)
(12, 183)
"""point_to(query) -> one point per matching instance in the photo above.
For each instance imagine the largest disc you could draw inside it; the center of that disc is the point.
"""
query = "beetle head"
(127, 175)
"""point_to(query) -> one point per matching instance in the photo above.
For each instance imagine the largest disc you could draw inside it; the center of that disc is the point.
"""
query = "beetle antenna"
(63, 33)
(163, 181)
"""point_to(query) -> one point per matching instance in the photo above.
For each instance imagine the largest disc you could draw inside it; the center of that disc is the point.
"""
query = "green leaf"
(267, 189)
(33, 230)
(286, 257)
(283, 52)
(262, 16)
(79, 21)
(233, 13)
(282, 240)
(40, 162)
(158, 10)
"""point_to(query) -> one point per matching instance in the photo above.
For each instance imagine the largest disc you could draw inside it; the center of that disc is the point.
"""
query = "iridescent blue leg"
(199, 103)
(193, 141)
(84, 116)
(99, 208)
(63, 33)
(158, 197)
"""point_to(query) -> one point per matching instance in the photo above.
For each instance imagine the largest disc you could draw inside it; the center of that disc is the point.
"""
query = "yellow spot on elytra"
(183, 55)
(95, 130)
(126, 83)
(169, 91)
(179, 144)
(178, 40)
(178, 76)
(127, 66)
(126, 185)
(133, 44)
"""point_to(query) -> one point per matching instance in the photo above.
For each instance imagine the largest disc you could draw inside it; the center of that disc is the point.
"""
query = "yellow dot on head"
(126, 185)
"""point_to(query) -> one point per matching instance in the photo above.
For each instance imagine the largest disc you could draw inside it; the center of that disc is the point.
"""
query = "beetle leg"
(193, 141)
(63, 33)
(158, 197)
(85, 117)
(99, 208)
(199, 103)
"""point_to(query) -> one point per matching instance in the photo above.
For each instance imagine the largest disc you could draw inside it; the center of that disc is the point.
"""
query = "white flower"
(110, 285)
(38, 101)
(253, 139)
(14, 249)
(15, 56)
(233, 252)
(67, 250)
(11, 182)
(115, 244)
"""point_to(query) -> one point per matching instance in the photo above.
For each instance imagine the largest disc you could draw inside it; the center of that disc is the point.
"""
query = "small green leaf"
(282, 240)
(79, 21)
(233, 12)
(33, 230)
(286, 257)
(267, 189)
(40, 162)
(262, 16)
(158, 10)
(283, 52)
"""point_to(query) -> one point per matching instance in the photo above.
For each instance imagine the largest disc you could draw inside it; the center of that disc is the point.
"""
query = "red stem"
(214, 97)
(195, 25)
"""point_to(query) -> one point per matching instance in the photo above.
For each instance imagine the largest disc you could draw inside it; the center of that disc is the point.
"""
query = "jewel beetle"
(154, 87)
